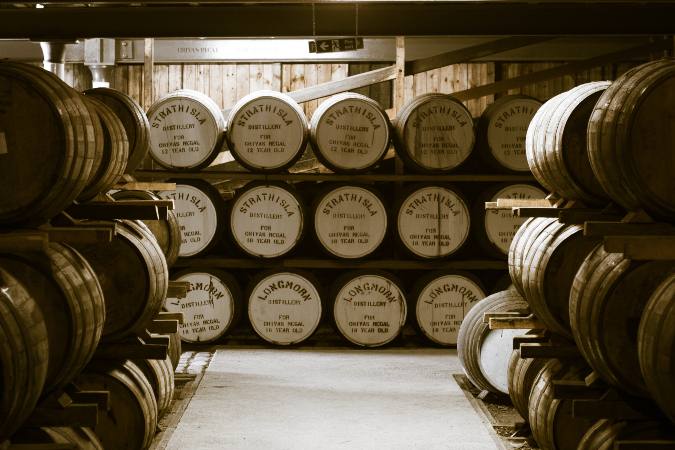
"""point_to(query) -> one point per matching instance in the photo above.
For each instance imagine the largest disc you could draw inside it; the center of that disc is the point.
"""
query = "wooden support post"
(148, 69)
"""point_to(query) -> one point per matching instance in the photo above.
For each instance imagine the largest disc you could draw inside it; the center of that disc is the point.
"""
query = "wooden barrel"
(630, 139)
(212, 306)
(167, 231)
(433, 221)
(522, 373)
(267, 131)
(267, 219)
(607, 301)
(24, 353)
(520, 246)
(79, 438)
(485, 353)
(350, 221)
(494, 229)
(350, 133)
(133, 276)
(501, 130)
(175, 349)
(442, 300)
(655, 337)
(111, 164)
(133, 119)
(605, 433)
(284, 307)
(159, 373)
(549, 269)
(556, 144)
(186, 130)
(131, 420)
(551, 420)
(200, 211)
(69, 296)
(434, 133)
(369, 308)
(48, 177)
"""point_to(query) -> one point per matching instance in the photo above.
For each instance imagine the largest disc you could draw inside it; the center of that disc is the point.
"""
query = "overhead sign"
(335, 45)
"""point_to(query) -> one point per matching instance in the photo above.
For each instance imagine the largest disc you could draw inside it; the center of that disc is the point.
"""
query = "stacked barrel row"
(58, 303)
(267, 132)
(593, 144)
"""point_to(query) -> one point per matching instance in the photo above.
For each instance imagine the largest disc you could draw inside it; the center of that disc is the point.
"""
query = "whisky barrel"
(434, 133)
(131, 419)
(494, 229)
(369, 307)
(159, 373)
(605, 433)
(656, 339)
(549, 269)
(166, 231)
(175, 349)
(111, 164)
(24, 353)
(38, 181)
(186, 130)
(484, 353)
(350, 133)
(442, 300)
(607, 300)
(212, 306)
(133, 276)
(350, 221)
(556, 144)
(79, 438)
(200, 212)
(522, 373)
(267, 131)
(133, 119)
(551, 421)
(284, 307)
(501, 130)
(433, 221)
(267, 219)
(630, 139)
(68, 293)
(521, 245)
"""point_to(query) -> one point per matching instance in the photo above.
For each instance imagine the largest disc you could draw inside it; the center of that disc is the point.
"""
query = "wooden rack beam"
(648, 247)
(312, 263)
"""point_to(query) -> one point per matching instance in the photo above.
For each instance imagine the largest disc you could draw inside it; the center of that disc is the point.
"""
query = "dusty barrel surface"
(485, 353)
(350, 221)
(186, 130)
(267, 131)
(131, 420)
(350, 133)
(212, 306)
(495, 229)
(133, 276)
(68, 293)
(551, 420)
(521, 245)
(79, 437)
(166, 231)
(284, 307)
(442, 300)
(501, 130)
(605, 433)
(369, 308)
(38, 181)
(433, 221)
(24, 353)
(434, 133)
(133, 119)
(267, 220)
(556, 144)
(631, 138)
(199, 209)
(656, 338)
(607, 300)
(522, 373)
(159, 374)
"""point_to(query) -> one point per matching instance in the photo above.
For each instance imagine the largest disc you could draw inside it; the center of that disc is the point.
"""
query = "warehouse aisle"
(331, 399)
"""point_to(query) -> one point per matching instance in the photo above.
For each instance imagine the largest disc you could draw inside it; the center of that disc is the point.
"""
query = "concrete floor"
(318, 398)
